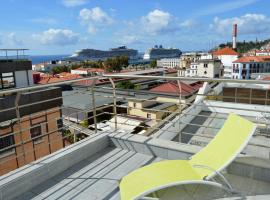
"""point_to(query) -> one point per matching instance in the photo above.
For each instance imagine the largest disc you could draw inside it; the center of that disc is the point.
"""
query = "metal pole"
(94, 103)
(114, 103)
(17, 99)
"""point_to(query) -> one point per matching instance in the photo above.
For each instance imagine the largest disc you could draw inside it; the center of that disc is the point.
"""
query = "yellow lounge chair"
(199, 169)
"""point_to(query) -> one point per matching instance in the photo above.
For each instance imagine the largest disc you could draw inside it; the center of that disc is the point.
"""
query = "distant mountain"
(243, 47)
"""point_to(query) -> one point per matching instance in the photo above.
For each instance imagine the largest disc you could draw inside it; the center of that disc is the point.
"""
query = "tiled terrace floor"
(93, 178)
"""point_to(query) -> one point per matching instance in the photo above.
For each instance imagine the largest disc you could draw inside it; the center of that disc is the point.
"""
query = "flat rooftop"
(92, 169)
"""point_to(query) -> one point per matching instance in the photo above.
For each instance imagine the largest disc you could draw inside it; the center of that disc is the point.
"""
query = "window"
(148, 116)
(205, 65)
(60, 125)
(7, 80)
(134, 105)
(5, 142)
(35, 132)
(205, 72)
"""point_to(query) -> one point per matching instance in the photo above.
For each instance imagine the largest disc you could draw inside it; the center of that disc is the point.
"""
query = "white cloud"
(156, 21)
(12, 40)
(155, 27)
(73, 3)
(57, 37)
(95, 19)
(160, 22)
(247, 24)
(188, 23)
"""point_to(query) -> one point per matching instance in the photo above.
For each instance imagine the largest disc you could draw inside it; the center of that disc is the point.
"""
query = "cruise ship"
(158, 52)
(94, 54)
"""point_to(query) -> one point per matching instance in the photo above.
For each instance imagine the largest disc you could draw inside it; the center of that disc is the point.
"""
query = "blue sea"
(44, 58)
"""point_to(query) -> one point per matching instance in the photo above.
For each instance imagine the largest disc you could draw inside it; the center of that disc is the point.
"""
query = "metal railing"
(84, 112)
(13, 54)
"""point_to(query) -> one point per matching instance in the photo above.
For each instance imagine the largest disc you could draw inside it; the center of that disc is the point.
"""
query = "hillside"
(243, 47)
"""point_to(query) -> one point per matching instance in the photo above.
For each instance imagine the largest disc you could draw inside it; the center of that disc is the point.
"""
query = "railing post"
(94, 103)
(18, 116)
(235, 95)
(266, 96)
(114, 103)
(180, 108)
(250, 96)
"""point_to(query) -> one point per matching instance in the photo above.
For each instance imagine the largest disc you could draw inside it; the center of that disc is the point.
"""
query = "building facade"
(193, 70)
(227, 56)
(88, 71)
(186, 60)
(34, 133)
(210, 68)
(150, 109)
(15, 74)
(169, 62)
(29, 121)
(244, 67)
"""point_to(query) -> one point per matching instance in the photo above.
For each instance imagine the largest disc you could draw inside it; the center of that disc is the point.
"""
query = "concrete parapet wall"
(25, 178)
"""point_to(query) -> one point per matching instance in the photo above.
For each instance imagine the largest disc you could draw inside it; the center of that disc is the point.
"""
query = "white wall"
(78, 72)
(21, 78)
(227, 62)
(30, 76)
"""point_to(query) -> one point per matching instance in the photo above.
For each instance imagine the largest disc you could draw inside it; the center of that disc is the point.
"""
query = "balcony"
(103, 140)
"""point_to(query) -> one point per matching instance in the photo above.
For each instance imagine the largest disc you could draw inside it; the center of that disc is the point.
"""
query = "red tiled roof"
(91, 69)
(267, 78)
(225, 51)
(247, 59)
(172, 87)
(64, 76)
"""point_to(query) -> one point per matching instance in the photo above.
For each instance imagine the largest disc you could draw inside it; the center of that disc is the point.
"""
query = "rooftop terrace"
(91, 168)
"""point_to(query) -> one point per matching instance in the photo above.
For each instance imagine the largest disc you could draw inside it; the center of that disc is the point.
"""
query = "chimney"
(234, 34)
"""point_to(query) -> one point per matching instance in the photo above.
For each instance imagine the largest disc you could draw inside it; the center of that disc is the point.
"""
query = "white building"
(48, 66)
(169, 62)
(262, 53)
(227, 56)
(210, 68)
(193, 70)
(88, 71)
(245, 66)
(206, 56)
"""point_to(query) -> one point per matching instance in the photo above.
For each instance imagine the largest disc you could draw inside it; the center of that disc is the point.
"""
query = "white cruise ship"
(158, 52)
(94, 54)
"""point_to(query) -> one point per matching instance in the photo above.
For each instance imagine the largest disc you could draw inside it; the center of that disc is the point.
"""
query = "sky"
(50, 27)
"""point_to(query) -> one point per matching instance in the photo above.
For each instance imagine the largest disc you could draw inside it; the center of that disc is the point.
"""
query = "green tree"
(60, 69)
(117, 63)
(153, 64)
(125, 85)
